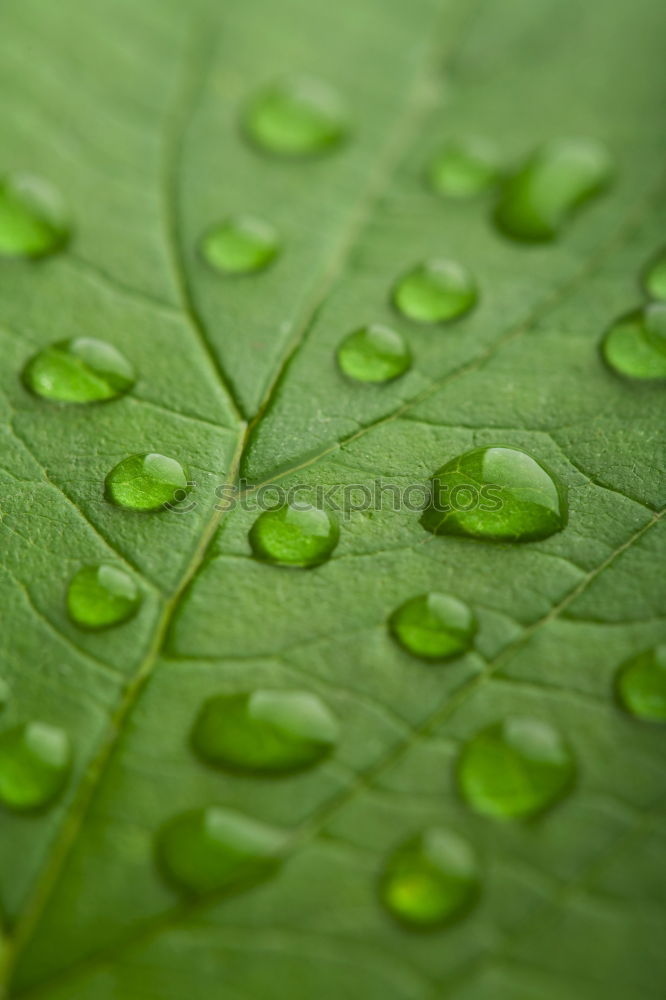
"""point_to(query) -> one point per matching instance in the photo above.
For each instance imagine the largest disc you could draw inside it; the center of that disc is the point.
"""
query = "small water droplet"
(374, 353)
(431, 879)
(296, 116)
(635, 345)
(35, 760)
(294, 535)
(434, 626)
(147, 482)
(464, 168)
(242, 244)
(515, 768)
(537, 201)
(641, 684)
(33, 220)
(435, 291)
(654, 280)
(206, 850)
(265, 730)
(495, 493)
(81, 370)
(102, 595)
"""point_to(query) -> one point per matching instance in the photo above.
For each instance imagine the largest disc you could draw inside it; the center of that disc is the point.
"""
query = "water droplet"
(496, 493)
(294, 535)
(537, 201)
(654, 280)
(147, 482)
(515, 768)
(265, 730)
(374, 353)
(242, 244)
(435, 291)
(635, 345)
(641, 684)
(35, 759)
(81, 370)
(102, 595)
(464, 168)
(206, 850)
(33, 220)
(434, 626)
(296, 116)
(430, 879)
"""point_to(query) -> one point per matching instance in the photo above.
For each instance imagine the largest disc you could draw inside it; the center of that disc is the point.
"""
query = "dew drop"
(538, 200)
(207, 850)
(464, 168)
(242, 244)
(35, 760)
(435, 291)
(515, 768)
(296, 116)
(434, 626)
(430, 879)
(81, 370)
(102, 595)
(374, 353)
(641, 684)
(147, 482)
(33, 220)
(654, 280)
(635, 345)
(294, 535)
(496, 493)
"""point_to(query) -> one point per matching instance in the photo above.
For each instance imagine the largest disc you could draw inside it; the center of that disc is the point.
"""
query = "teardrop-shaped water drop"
(294, 535)
(102, 595)
(374, 353)
(495, 493)
(515, 768)
(207, 850)
(262, 730)
(431, 879)
(464, 168)
(242, 244)
(654, 279)
(296, 116)
(147, 482)
(641, 684)
(635, 345)
(35, 760)
(435, 291)
(434, 626)
(81, 370)
(33, 219)
(562, 174)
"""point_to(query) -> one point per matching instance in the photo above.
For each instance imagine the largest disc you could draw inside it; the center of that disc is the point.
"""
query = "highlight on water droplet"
(435, 291)
(265, 731)
(431, 879)
(296, 116)
(561, 175)
(497, 494)
(464, 168)
(635, 345)
(147, 482)
(641, 684)
(294, 535)
(374, 353)
(102, 595)
(214, 848)
(33, 218)
(241, 244)
(80, 370)
(515, 768)
(654, 278)
(35, 761)
(434, 626)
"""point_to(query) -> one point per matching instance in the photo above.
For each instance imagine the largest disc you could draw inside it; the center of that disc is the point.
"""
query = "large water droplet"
(641, 684)
(374, 353)
(210, 849)
(557, 178)
(33, 220)
(102, 595)
(296, 116)
(35, 760)
(265, 730)
(147, 482)
(464, 168)
(654, 280)
(515, 768)
(496, 493)
(294, 535)
(434, 626)
(435, 291)
(635, 345)
(430, 879)
(81, 370)
(241, 244)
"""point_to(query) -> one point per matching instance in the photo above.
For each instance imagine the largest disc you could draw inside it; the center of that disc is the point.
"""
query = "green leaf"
(132, 112)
